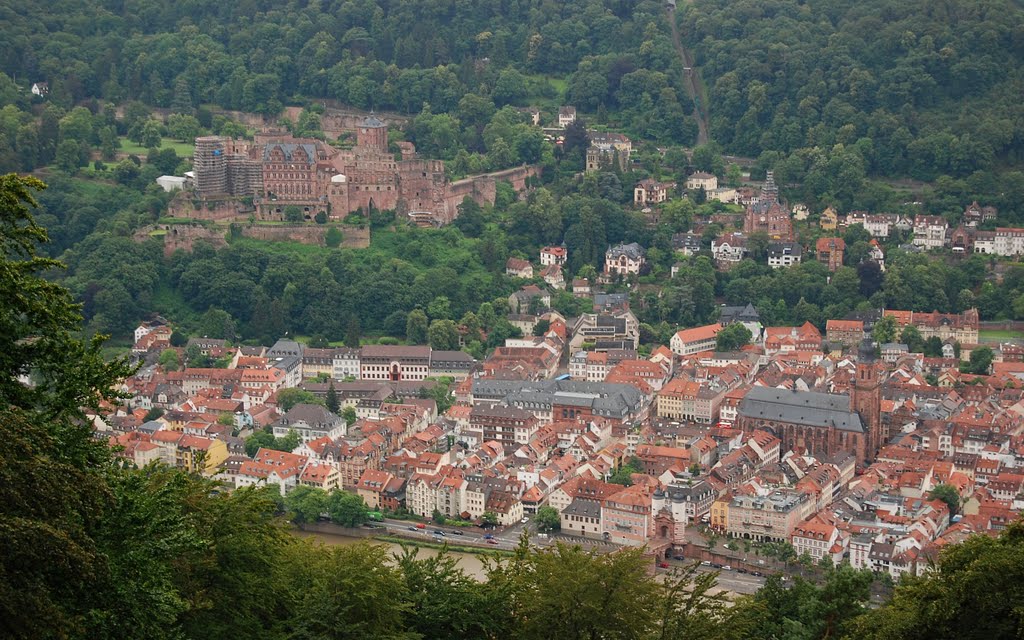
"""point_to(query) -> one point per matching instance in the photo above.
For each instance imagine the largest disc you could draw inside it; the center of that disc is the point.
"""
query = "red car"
(421, 526)
(492, 541)
(663, 565)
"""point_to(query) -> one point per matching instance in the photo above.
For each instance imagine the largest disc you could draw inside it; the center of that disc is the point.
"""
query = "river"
(468, 562)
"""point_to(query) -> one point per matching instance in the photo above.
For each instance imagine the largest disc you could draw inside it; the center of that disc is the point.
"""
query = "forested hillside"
(397, 55)
(879, 87)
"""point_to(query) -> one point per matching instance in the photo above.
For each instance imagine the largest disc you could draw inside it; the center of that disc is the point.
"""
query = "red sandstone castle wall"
(185, 236)
(483, 188)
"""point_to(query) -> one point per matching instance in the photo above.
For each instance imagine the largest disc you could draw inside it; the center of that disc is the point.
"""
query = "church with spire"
(823, 424)
(767, 214)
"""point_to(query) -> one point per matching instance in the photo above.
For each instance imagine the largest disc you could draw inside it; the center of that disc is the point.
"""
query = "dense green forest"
(878, 87)
(90, 549)
(826, 93)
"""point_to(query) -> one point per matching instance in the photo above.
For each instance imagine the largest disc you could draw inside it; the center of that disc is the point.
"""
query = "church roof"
(801, 407)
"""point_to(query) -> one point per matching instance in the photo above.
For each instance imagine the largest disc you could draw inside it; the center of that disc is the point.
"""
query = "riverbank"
(460, 548)
(465, 544)
(472, 563)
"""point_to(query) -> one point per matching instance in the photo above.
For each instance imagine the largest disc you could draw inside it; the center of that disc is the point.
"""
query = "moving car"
(411, 528)
(492, 541)
(421, 526)
(458, 533)
(488, 536)
(438, 532)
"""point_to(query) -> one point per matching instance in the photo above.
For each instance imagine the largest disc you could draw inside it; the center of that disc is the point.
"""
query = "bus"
(376, 516)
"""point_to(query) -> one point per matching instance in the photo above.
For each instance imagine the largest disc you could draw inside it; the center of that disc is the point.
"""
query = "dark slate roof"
(584, 508)
(801, 407)
(311, 414)
(686, 240)
(603, 398)
(453, 359)
(610, 300)
(372, 122)
(285, 348)
(779, 248)
(728, 315)
(632, 250)
(689, 493)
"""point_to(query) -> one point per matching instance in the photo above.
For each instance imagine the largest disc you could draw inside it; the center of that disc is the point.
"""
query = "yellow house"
(720, 513)
(829, 219)
(196, 454)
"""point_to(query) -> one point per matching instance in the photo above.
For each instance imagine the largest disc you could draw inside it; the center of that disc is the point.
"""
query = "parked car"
(524, 520)
(716, 565)
(726, 568)
(706, 563)
(756, 573)
(663, 565)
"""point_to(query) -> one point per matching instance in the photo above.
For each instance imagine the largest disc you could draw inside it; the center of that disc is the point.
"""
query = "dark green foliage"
(331, 401)
(333, 237)
(346, 509)
(948, 494)
(732, 337)
(288, 398)
(958, 600)
(623, 475)
(548, 519)
(877, 87)
(980, 361)
(266, 440)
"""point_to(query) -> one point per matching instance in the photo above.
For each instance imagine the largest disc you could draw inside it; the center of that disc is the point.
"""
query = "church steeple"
(866, 398)
(770, 192)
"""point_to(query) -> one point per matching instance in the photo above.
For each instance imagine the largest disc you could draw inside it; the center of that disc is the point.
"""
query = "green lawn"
(1000, 334)
(183, 149)
(558, 85)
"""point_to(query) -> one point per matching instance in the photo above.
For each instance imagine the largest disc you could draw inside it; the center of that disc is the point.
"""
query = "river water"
(468, 562)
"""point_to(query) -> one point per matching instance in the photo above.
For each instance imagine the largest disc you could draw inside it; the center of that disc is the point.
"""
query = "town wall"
(352, 237)
(183, 206)
(336, 121)
(181, 236)
(483, 188)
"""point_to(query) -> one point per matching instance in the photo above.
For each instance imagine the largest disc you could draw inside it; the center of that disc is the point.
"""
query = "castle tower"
(210, 165)
(866, 399)
(372, 134)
